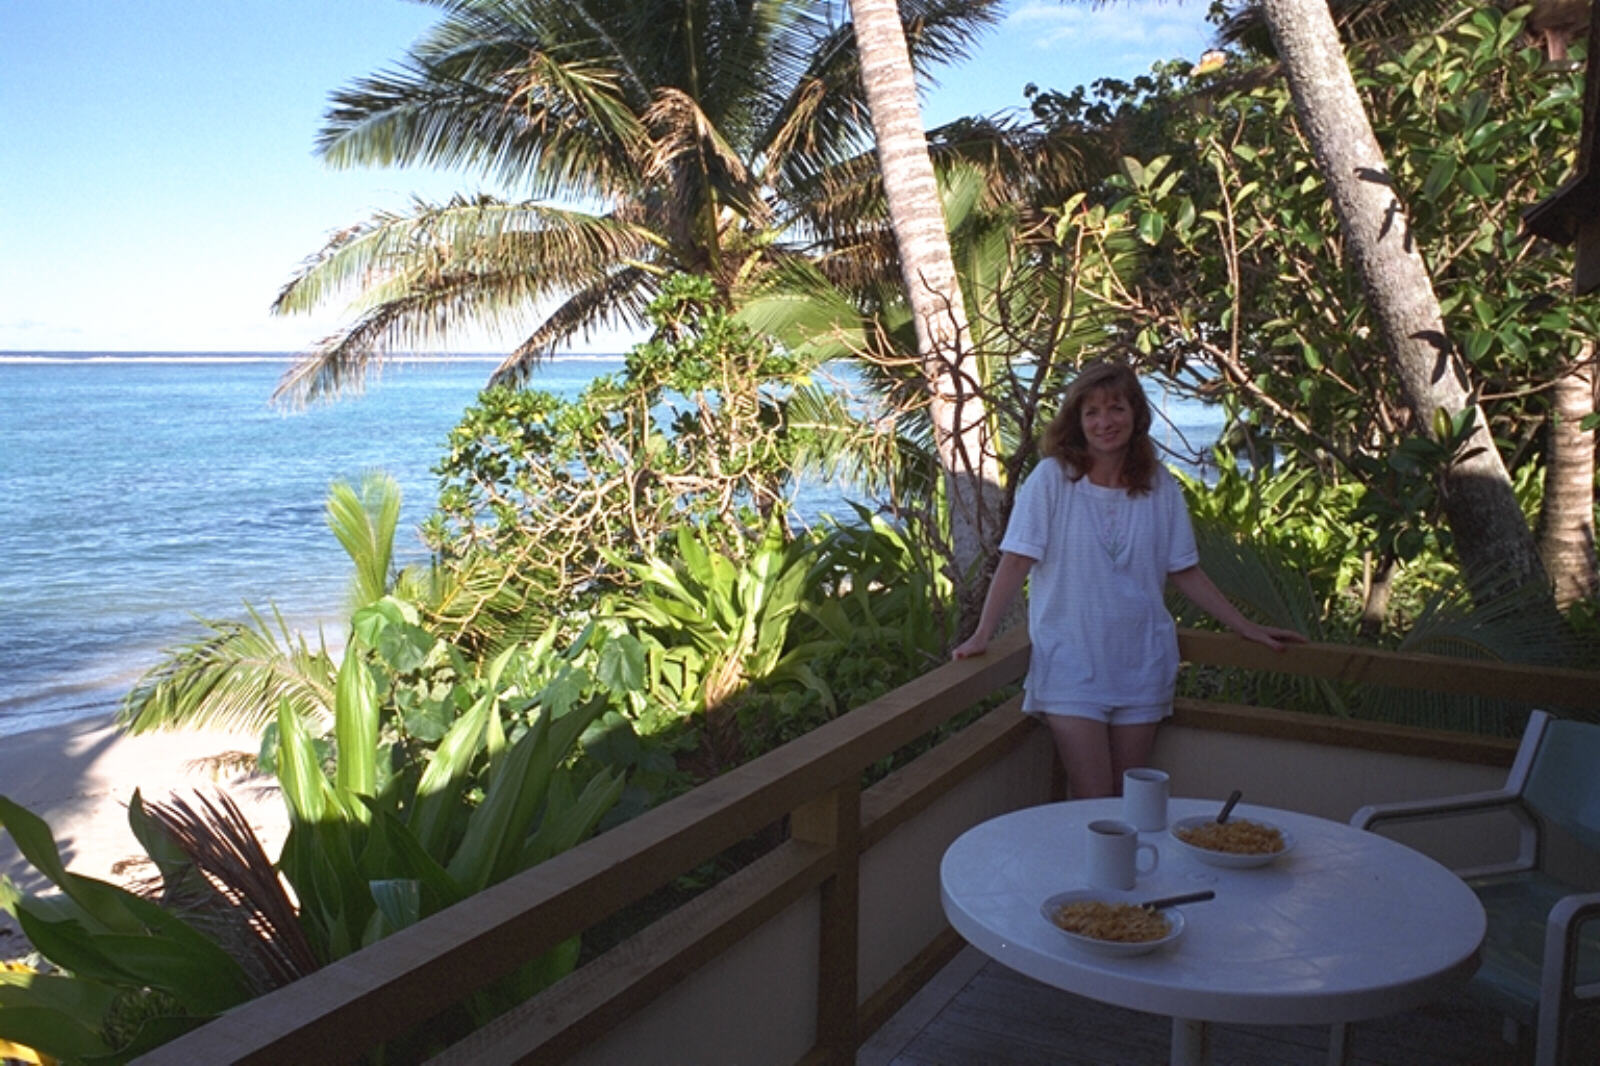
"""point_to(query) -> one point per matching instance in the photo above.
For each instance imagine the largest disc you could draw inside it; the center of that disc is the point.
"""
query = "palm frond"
(555, 246)
(364, 522)
(681, 132)
(619, 298)
(1268, 589)
(513, 99)
(1515, 627)
(256, 921)
(234, 677)
(431, 273)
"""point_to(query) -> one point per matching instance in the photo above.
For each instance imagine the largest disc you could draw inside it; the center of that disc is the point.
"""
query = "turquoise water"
(143, 490)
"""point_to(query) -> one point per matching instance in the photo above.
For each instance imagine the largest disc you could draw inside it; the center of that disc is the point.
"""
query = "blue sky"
(157, 184)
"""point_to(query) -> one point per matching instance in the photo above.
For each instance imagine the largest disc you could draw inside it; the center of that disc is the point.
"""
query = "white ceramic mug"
(1144, 798)
(1113, 854)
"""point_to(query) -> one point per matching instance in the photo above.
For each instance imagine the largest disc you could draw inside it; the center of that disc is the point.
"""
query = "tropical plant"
(690, 132)
(1024, 275)
(731, 617)
(540, 494)
(131, 974)
(376, 843)
(1249, 288)
(1286, 551)
(400, 846)
(242, 672)
(962, 432)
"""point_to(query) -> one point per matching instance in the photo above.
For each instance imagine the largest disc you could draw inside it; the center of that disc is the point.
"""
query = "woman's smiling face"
(1107, 423)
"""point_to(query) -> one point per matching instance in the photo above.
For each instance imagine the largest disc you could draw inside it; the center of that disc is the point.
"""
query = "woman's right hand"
(976, 644)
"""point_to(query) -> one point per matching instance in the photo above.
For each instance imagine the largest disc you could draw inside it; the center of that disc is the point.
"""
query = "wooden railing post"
(834, 820)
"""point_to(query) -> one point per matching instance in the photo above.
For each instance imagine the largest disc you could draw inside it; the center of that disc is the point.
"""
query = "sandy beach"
(79, 778)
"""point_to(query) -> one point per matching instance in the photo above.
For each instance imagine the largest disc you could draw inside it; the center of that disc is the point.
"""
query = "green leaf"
(50, 1031)
(1479, 180)
(506, 815)
(621, 665)
(299, 770)
(1439, 177)
(399, 901)
(104, 904)
(1151, 227)
(355, 722)
(439, 791)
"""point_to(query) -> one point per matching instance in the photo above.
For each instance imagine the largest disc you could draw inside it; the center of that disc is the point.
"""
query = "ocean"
(142, 491)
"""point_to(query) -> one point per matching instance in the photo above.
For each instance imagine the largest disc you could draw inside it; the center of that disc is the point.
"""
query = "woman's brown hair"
(1064, 439)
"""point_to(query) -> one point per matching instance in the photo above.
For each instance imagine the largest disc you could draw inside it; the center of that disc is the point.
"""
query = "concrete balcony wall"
(1334, 782)
(754, 1003)
(900, 907)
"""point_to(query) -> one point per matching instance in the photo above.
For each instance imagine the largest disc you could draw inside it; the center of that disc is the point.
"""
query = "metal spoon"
(1173, 901)
(1227, 808)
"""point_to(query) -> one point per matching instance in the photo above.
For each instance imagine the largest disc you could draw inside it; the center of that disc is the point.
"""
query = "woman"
(1101, 527)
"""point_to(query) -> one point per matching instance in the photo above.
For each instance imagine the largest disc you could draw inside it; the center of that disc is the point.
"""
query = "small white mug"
(1113, 854)
(1144, 798)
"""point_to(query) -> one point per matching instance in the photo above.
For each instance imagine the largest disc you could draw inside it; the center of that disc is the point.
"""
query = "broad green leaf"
(399, 901)
(105, 904)
(207, 983)
(439, 791)
(1439, 177)
(299, 771)
(1151, 227)
(622, 664)
(50, 1031)
(505, 817)
(355, 721)
(438, 889)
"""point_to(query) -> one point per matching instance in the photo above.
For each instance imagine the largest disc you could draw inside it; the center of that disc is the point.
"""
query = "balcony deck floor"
(977, 1012)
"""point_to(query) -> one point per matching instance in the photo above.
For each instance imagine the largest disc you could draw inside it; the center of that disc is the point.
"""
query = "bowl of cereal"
(1104, 926)
(1238, 842)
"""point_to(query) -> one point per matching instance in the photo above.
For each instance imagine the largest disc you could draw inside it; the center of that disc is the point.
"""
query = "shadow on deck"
(977, 1012)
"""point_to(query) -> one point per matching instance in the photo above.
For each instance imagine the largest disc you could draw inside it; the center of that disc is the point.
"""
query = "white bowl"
(1048, 909)
(1233, 859)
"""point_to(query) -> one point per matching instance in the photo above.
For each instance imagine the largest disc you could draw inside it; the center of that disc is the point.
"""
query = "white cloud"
(1142, 25)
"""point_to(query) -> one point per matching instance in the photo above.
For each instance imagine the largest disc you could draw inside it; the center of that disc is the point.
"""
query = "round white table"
(1347, 925)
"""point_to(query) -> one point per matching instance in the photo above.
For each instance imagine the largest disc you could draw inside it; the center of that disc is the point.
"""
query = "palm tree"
(1492, 536)
(965, 448)
(1565, 537)
(676, 136)
(1017, 279)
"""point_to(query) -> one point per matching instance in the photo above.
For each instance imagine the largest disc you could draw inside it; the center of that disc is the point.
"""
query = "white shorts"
(1110, 714)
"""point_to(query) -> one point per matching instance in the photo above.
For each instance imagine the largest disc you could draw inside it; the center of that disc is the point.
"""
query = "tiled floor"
(977, 1012)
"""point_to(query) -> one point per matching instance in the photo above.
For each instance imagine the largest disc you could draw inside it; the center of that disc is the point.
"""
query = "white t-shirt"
(1100, 629)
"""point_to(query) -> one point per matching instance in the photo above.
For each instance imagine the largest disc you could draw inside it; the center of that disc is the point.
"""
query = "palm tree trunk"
(1566, 523)
(961, 426)
(1492, 537)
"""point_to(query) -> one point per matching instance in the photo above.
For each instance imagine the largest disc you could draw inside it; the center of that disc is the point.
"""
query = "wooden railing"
(813, 784)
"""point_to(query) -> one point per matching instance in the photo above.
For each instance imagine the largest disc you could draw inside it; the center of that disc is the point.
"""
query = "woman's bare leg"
(1084, 746)
(1130, 746)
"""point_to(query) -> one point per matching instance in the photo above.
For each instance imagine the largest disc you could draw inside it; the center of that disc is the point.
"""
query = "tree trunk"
(1377, 586)
(961, 425)
(1495, 546)
(1566, 523)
